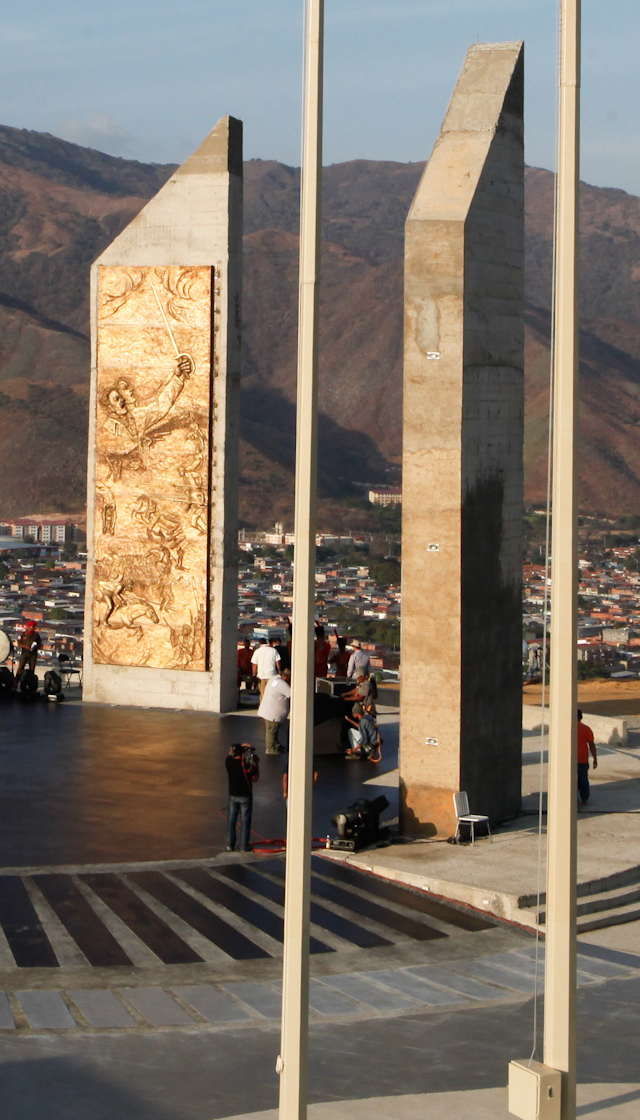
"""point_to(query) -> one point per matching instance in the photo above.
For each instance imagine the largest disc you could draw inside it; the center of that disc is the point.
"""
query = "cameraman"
(243, 769)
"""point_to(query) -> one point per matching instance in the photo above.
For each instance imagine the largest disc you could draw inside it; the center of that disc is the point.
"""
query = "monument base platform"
(159, 688)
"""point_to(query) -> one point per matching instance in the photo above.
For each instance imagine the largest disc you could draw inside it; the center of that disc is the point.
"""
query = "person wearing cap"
(359, 661)
(364, 736)
(29, 644)
(363, 692)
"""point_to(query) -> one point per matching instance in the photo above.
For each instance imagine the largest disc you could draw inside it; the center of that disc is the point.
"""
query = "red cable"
(318, 841)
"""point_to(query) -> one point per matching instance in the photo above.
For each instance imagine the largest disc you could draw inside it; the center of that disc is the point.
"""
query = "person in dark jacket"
(29, 644)
(243, 770)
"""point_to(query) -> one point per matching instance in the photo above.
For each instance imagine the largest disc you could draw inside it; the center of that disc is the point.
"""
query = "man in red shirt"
(245, 670)
(586, 743)
(321, 651)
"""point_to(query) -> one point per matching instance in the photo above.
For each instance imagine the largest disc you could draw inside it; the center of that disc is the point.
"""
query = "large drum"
(5, 646)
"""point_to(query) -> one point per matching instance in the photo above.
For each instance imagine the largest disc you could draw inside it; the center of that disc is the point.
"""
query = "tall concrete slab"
(462, 456)
(160, 612)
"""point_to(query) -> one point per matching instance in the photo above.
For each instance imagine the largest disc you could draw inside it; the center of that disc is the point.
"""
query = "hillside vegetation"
(61, 204)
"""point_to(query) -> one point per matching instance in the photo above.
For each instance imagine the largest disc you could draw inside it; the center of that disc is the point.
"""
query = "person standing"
(358, 662)
(284, 653)
(243, 770)
(586, 744)
(29, 645)
(321, 651)
(285, 782)
(274, 709)
(266, 661)
(339, 656)
(245, 668)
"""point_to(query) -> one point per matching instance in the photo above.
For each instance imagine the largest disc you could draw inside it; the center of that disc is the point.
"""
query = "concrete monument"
(160, 617)
(462, 456)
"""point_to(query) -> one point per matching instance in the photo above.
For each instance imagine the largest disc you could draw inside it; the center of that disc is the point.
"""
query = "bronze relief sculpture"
(153, 478)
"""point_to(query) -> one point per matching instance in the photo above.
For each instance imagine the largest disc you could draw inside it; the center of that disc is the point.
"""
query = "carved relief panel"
(153, 485)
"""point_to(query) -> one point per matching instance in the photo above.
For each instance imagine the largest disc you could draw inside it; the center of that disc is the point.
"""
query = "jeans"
(239, 806)
(583, 781)
(355, 738)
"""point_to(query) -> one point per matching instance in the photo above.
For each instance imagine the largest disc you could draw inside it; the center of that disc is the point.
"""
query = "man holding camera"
(243, 769)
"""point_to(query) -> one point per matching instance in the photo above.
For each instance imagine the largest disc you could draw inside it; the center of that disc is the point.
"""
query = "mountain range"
(61, 204)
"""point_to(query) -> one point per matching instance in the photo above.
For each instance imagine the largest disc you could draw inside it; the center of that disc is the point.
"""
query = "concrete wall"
(194, 220)
(609, 730)
(462, 456)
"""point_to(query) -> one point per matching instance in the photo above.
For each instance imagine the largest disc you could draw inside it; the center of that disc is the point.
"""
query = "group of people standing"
(339, 659)
(259, 665)
(268, 668)
(255, 666)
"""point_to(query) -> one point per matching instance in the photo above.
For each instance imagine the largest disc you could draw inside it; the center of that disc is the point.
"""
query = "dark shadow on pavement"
(610, 1102)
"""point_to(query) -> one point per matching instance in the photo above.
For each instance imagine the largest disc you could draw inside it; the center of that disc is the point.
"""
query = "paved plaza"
(140, 963)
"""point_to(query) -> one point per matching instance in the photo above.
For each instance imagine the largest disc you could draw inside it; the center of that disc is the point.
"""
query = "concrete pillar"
(160, 615)
(462, 456)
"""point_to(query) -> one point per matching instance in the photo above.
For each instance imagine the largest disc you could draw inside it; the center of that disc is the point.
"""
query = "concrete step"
(606, 883)
(609, 900)
(631, 875)
(615, 917)
(606, 902)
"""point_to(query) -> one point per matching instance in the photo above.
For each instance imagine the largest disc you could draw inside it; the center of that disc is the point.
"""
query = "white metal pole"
(560, 973)
(293, 1058)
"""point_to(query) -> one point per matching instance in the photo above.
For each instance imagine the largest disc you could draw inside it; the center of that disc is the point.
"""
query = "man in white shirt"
(274, 709)
(266, 660)
(358, 662)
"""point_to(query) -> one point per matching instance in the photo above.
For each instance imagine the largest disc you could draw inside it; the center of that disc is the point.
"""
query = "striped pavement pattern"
(212, 914)
(455, 984)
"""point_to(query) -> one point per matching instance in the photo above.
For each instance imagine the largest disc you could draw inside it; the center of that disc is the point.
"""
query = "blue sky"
(148, 81)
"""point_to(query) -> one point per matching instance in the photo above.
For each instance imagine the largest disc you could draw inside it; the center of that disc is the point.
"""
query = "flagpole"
(293, 1058)
(560, 972)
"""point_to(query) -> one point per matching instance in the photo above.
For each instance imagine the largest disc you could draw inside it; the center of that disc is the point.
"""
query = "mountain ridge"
(61, 204)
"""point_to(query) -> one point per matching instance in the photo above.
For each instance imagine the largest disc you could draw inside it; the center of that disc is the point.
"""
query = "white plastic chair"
(461, 807)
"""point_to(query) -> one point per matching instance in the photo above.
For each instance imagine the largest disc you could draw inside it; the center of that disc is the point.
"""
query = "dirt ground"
(601, 697)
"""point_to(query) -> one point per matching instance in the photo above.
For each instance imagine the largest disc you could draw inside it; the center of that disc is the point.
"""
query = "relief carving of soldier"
(128, 420)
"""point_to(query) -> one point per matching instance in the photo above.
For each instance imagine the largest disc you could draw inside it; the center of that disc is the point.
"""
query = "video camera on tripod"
(359, 825)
